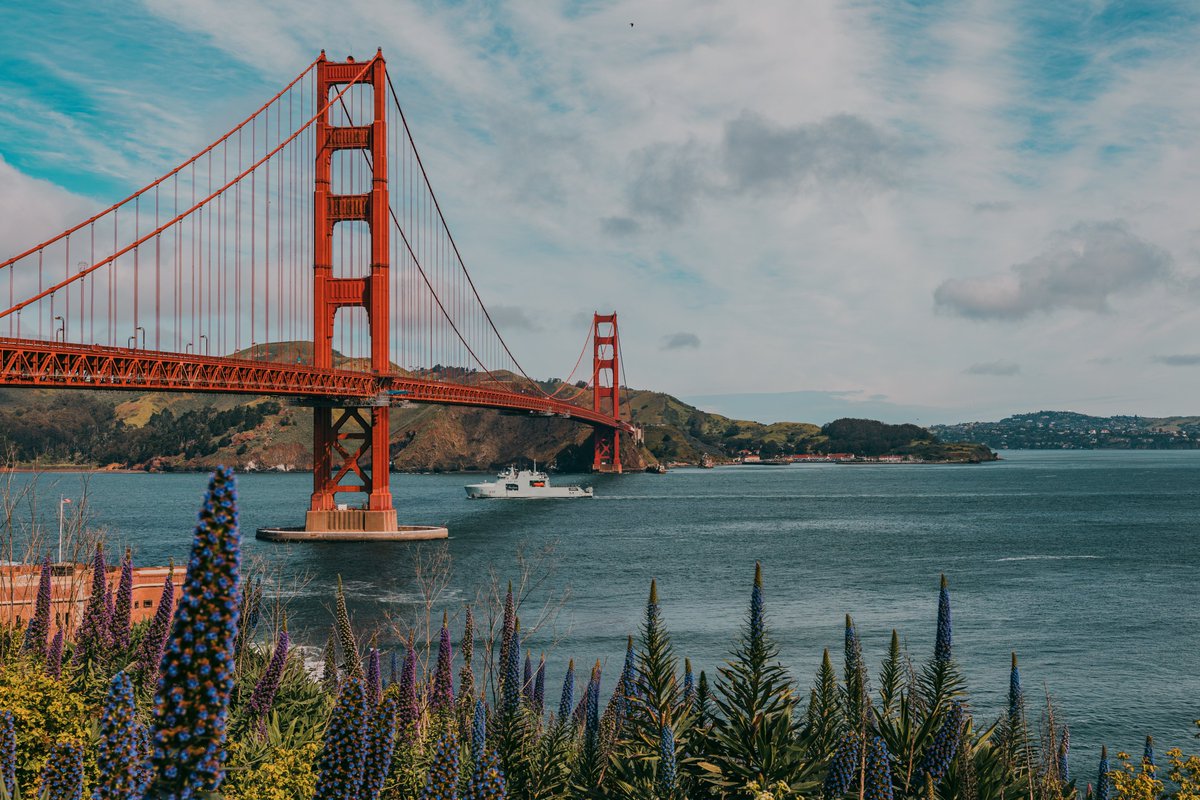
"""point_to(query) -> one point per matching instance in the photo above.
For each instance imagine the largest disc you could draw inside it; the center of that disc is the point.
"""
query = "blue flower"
(478, 733)
(8, 752)
(122, 610)
(443, 676)
(381, 740)
(567, 702)
(441, 783)
(92, 637)
(374, 681)
(510, 688)
(667, 770)
(756, 607)
(264, 692)
(878, 771)
(62, 776)
(39, 626)
(591, 713)
(343, 753)
(843, 768)
(1016, 699)
(197, 672)
(1102, 781)
(487, 783)
(119, 753)
(539, 687)
(941, 648)
(935, 761)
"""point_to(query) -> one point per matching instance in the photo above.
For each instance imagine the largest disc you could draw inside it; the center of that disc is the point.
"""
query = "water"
(1085, 563)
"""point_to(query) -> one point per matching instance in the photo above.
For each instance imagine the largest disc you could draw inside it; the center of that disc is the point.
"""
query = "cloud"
(670, 178)
(1081, 268)
(32, 210)
(678, 341)
(756, 155)
(998, 368)
(512, 318)
(619, 226)
(842, 149)
(1180, 360)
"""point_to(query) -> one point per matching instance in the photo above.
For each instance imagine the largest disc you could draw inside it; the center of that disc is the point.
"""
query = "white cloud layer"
(803, 186)
(1082, 268)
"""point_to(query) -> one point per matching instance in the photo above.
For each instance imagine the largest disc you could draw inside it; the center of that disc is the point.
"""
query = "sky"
(933, 211)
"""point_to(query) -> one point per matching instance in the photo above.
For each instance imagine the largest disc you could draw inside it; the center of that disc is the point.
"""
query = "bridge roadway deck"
(54, 365)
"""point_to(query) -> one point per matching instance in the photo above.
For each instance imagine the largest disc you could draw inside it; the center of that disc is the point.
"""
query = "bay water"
(1084, 563)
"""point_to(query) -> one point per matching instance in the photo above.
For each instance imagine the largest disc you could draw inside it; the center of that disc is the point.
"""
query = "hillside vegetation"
(73, 428)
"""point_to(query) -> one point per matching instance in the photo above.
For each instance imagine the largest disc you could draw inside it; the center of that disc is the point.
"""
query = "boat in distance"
(525, 484)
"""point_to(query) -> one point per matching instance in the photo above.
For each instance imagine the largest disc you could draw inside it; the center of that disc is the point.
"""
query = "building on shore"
(70, 589)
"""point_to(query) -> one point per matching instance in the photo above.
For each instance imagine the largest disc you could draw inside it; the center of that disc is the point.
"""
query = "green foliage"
(655, 701)
(45, 710)
(754, 739)
(867, 437)
(83, 428)
(744, 737)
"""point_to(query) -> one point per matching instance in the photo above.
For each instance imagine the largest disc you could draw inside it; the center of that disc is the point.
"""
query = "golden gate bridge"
(313, 220)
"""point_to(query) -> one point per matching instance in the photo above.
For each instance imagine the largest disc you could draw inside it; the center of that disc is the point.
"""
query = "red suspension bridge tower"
(364, 429)
(200, 282)
(606, 390)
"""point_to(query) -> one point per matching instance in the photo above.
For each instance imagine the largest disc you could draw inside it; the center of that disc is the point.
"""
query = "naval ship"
(525, 484)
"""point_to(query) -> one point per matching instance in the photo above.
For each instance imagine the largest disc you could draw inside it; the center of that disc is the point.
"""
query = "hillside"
(1067, 430)
(60, 428)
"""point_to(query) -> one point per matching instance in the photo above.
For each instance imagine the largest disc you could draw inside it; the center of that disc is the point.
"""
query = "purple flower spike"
(8, 752)
(54, 655)
(91, 640)
(374, 682)
(506, 633)
(527, 678)
(123, 605)
(381, 740)
(62, 776)
(510, 688)
(39, 625)
(567, 700)
(879, 771)
(940, 752)
(667, 768)
(192, 697)
(1103, 782)
(843, 768)
(265, 690)
(539, 688)
(466, 676)
(941, 648)
(118, 755)
(443, 677)
(408, 714)
(343, 753)
(592, 708)
(150, 651)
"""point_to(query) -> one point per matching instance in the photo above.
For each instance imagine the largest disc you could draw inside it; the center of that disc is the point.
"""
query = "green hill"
(84, 429)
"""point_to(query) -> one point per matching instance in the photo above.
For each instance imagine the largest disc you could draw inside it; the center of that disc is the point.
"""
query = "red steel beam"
(54, 365)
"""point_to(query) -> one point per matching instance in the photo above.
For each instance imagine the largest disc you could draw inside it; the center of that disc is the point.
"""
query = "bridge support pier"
(351, 443)
(606, 390)
(345, 439)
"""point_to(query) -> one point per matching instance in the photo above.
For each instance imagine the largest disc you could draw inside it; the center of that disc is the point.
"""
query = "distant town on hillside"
(1066, 430)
